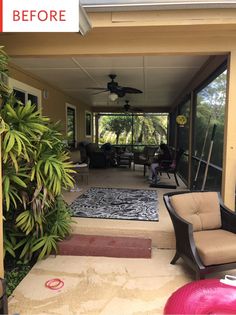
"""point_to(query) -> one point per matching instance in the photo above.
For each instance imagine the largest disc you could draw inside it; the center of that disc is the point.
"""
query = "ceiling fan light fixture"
(113, 97)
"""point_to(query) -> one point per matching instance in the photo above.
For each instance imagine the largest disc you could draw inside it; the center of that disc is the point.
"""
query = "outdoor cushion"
(202, 210)
(215, 246)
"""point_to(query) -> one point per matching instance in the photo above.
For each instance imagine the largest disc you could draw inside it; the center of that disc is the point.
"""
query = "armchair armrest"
(185, 244)
(183, 233)
(228, 218)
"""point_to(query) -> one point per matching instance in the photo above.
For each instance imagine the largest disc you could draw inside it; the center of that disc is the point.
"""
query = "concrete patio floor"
(100, 285)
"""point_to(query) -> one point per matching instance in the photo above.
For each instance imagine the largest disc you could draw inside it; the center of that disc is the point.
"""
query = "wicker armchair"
(204, 229)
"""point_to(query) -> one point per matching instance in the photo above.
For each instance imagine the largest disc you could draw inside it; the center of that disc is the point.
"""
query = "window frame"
(27, 89)
(86, 114)
(132, 144)
(73, 107)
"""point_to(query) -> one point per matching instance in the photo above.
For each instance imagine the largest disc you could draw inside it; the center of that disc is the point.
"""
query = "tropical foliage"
(210, 109)
(35, 169)
(144, 128)
(3, 73)
(211, 105)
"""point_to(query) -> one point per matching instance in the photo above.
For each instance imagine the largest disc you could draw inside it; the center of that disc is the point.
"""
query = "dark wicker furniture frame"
(185, 245)
(165, 166)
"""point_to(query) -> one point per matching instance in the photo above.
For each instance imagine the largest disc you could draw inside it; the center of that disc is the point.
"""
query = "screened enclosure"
(208, 109)
(132, 130)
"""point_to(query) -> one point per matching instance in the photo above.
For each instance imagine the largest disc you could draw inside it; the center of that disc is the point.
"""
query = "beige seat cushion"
(201, 209)
(216, 246)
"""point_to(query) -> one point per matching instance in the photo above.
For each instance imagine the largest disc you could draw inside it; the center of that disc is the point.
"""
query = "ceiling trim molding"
(137, 5)
(119, 109)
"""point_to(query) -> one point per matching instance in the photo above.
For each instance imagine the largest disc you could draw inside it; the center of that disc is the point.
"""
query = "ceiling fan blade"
(96, 88)
(99, 92)
(130, 90)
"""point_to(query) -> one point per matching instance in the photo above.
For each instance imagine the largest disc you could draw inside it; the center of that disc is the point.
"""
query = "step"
(107, 246)
(161, 233)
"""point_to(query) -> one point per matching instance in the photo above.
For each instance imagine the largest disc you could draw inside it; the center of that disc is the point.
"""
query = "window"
(134, 130)
(150, 129)
(71, 125)
(25, 92)
(210, 110)
(88, 124)
(115, 128)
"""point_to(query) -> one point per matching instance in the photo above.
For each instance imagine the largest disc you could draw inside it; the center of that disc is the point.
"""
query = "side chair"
(204, 229)
(171, 166)
(144, 158)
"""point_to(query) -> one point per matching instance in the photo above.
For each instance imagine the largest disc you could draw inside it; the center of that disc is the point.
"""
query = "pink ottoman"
(210, 296)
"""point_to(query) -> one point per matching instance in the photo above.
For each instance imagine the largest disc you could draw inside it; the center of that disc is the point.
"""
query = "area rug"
(116, 203)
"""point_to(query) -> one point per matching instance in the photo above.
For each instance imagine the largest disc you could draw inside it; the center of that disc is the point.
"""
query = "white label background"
(71, 16)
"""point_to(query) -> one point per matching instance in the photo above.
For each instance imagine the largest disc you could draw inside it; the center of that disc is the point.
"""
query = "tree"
(211, 103)
(150, 129)
(116, 124)
(147, 129)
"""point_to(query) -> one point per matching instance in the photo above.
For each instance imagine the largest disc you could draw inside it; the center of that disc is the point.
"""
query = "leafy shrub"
(36, 168)
(14, 276)
(4, 90)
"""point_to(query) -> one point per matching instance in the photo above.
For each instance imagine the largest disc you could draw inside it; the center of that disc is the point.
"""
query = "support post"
(229, 160)
(96, 128)
(190, 144)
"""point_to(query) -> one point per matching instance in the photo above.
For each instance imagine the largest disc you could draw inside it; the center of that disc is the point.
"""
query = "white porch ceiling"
(161, 78)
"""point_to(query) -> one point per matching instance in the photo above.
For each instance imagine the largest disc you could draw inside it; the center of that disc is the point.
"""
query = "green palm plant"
(36, 168)
(4, 90)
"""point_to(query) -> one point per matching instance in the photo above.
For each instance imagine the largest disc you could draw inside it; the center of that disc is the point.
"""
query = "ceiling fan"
(129, 108)
(116, 89)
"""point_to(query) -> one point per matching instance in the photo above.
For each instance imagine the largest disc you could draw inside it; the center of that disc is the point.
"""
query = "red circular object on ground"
(208, 296)
(54, 284)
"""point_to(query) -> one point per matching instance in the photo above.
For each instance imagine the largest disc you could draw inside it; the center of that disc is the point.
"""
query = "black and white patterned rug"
(117, 203)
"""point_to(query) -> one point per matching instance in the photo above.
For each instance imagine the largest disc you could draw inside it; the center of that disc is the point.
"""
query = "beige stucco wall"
(55, 104)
